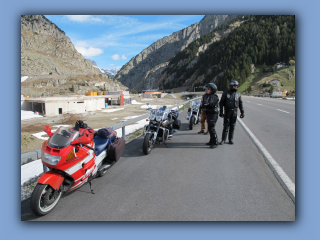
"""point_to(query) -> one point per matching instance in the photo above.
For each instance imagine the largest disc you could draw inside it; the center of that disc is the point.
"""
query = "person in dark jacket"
(203, 117)
(210, 105)
(230, 101)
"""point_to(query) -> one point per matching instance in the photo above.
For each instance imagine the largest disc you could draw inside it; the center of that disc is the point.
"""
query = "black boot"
(214, 143)
(231, 136)
(224, 136)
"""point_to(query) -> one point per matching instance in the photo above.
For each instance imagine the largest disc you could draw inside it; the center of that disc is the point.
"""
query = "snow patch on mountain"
(110, 72)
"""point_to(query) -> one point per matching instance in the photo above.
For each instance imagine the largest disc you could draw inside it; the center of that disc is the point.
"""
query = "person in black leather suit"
(230, 101)
(210, 105)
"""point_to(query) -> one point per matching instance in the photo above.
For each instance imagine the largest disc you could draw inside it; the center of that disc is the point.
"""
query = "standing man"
(210, 105)
(203, 116)
(231, 101)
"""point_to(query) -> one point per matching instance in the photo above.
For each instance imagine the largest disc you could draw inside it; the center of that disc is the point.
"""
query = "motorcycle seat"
(101, 144)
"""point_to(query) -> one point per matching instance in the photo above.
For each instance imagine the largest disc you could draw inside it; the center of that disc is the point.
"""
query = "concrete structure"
(52, 106)
(279, 93)
(152, 93)
(125, 93)
(280, 65)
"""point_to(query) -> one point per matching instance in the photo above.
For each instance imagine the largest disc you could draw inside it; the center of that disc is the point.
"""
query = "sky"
(112, 40)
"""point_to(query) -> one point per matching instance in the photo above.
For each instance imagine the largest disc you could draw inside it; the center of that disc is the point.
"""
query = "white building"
(52, 106)
(279, 92)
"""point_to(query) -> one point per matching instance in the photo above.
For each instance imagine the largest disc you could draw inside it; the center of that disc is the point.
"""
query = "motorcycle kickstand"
(91, 188)
(166, 144)
(89, 181)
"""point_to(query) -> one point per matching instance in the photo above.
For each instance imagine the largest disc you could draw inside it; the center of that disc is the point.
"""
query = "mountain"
(52, 63)
(246, 45)
(93, 63)
(112, 72)
(234, 47)
(158, 54)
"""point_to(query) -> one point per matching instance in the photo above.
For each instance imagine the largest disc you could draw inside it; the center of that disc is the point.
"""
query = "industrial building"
(153, 93)
(52, 106)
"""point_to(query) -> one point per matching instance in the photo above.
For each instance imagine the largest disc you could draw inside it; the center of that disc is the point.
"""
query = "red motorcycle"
(73, 158)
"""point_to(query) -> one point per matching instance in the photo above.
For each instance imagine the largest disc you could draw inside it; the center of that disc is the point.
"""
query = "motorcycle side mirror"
(47, 129)
(81, 140)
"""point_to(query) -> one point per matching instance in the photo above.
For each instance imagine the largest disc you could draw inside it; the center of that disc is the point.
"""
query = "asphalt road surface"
(272, 121)
(187, 181)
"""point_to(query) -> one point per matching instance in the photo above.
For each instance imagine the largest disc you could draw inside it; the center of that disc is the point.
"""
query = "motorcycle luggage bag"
(174, 114)
(106, 133)
(177, 124)
(115, 149)
(87, 132)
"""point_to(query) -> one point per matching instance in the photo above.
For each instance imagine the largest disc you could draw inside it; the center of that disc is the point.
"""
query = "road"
(272, 121)
(187, 181)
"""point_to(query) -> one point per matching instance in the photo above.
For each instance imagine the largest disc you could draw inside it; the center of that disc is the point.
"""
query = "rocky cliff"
(46, 50)
(49, 58)
(135, 71)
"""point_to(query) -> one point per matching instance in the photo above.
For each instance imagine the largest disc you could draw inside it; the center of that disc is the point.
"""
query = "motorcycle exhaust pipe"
(104, 168)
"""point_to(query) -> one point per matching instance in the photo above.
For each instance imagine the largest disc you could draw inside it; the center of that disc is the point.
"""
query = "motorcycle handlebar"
(88, 146)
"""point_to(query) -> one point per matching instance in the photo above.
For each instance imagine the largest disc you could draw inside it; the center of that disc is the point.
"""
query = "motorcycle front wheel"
(191, 123)
(44, 198)
(147, 144)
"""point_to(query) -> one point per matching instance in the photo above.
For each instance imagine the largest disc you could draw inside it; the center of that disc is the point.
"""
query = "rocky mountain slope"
(157, 55)
(233, 50)
(49, 58)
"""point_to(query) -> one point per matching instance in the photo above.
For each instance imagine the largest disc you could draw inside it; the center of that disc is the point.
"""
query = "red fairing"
(51, 178)
(47, 129)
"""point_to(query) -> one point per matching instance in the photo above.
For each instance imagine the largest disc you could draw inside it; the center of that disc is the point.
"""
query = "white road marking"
(259, 104)
(282, 177)
(282, 110)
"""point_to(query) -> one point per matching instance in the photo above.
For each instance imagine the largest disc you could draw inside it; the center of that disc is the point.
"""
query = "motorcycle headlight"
(152, 117)
(158, 118)
(50, 159)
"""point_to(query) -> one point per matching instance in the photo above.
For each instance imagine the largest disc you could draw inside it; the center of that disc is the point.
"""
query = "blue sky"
(112, 40)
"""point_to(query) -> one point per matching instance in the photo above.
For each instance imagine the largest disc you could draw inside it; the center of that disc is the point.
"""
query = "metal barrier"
(31, 156)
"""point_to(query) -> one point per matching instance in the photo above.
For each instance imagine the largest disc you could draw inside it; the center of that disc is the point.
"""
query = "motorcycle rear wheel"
(147, 144)
(191, 123)
(44, 198)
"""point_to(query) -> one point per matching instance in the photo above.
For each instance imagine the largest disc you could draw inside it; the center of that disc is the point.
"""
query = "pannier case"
(115, 149)
(177, 124)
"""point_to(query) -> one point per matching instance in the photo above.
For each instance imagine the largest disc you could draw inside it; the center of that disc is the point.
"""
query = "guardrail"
(34, 155)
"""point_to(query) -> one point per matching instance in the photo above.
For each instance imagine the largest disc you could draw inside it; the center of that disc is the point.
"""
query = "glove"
(242, 115)
(221, 114)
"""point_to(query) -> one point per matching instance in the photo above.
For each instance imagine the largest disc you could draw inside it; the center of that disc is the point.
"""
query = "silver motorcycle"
(162, 124)
(194, 114)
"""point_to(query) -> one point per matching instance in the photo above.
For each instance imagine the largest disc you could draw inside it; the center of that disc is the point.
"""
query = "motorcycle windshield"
(152, 114)
(162, 115)
(63, 137)
(158, 114)
(195, 105)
